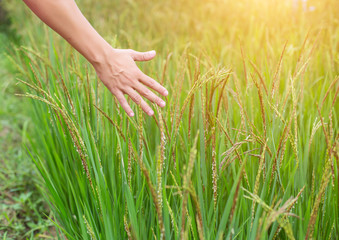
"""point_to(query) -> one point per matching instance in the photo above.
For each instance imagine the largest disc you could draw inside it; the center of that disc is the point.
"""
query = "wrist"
(100, 54)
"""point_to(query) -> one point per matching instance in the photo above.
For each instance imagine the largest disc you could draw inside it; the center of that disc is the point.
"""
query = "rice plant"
(246, 148)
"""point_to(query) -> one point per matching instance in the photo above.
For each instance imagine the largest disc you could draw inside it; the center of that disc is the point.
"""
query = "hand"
(119, 73)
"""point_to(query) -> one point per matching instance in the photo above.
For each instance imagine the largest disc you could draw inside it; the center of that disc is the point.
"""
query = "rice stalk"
(89, 229)
(153, 193)
(295, 123)
(335, 96)
(229, 152)
(276, 78)
(127, 229)
(323, 185)
(160, 167)
(154, 236)
(240, 104)
(197, 85)
(112, 122)
(236, 151)
(204, 115)
(235, 200)
(291, 205)
(260, 78)
(67, 94)
(90, 94)
(186, 180)
(175, 115)
(190, 115)
(100, 202)
(28, 84)
(278, 215)
(186, 231)
(173, 221)
(35, 76)
(17, 66)
(257, 179)
(282, 140)
(46, 61)
(328, 91)
(254, 138)
(129, 160)
(198, 214)
(290, 135)
(221, 95)
(331, 134)
(169, 55)
(243, 62)
(316, 126)
(262, 108)
(214, 169)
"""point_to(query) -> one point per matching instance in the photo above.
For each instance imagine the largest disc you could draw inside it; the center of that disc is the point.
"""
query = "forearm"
(64, 17)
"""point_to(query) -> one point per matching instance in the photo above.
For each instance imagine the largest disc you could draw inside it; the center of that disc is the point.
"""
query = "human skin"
(116, 68)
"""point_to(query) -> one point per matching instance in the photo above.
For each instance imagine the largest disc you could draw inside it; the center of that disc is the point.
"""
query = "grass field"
(246, 147)
(23, 210)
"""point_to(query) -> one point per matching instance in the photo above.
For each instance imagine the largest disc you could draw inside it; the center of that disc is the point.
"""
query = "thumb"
(143, 56)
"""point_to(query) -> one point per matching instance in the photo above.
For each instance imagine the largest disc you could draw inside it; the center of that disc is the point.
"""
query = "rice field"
(247, 146)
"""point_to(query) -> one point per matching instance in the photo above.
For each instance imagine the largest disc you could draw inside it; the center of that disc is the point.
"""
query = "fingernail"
(162, 104)
(152, 53)
(131, 114)
(150, 112)
(166, 93)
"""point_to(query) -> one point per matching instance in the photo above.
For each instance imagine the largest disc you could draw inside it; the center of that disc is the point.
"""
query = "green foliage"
(246, 148)
(23, 211)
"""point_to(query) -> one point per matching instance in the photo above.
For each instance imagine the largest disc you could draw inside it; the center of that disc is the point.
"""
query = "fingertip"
(150, 113)
(162, 104)
(165, 93)
(153, 53)
(131, 114)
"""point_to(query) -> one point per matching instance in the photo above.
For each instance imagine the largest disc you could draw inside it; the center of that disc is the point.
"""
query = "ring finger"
(144, 91)
(138, 100)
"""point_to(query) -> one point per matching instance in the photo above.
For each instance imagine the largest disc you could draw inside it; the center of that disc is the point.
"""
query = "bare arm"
(115, 67)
